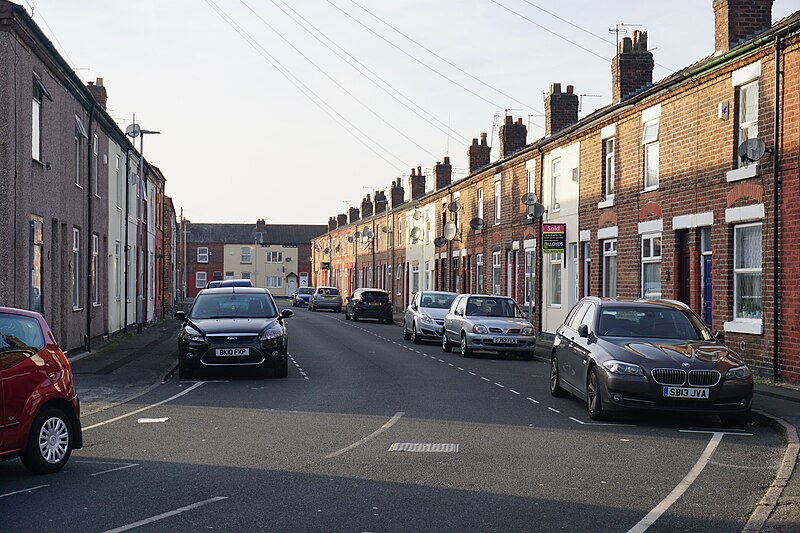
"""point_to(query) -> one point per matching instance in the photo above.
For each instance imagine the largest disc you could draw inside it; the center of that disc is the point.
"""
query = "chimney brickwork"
(261, 225)
(736, 21)
(513, 137)
(98, 92)
(367, 208)
(632, 67)
(331, 223)
(341, 220)
(416, 182)
(560, 109)
(478, 155)
(353, 214)
(443, 173)
(397, 194)
(380, 202)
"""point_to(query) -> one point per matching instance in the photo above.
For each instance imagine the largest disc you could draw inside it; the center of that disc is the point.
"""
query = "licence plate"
(504, 340)
(232, 352)
(685, 392)
(377, 304)
(330, 297)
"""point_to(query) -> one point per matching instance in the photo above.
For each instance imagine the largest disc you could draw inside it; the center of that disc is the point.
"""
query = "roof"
(286, 234)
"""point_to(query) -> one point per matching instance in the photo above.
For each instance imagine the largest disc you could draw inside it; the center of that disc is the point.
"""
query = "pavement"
(133, 364)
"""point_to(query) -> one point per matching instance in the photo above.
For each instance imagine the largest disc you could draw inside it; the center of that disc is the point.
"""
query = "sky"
(291, 111)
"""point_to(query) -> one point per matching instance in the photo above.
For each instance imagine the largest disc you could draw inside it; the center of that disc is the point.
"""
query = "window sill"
(649, 189)
(78, 185)
(97, 305)
(38, 161)
(554, 306)
(750, 171)
(76, 309)
(751, 326)
(607, 202)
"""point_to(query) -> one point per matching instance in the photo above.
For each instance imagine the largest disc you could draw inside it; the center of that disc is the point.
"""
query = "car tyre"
(414, 337)
(555, 380)
(346, 315)
(49, 442)
(465, 350)
(594, 400)
(184, 372)
(446, 346)
(282, 371)
(406, 333)
(737, 420)
(338, 309)
(355, 318)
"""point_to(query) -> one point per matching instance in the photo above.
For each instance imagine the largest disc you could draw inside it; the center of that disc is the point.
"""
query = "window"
(650, 142)
(274, 257)
(610, 268)
(36, 120)
(95, 170)
(608, 167)
(495, 272)
(119, 183)
(587, 268)
(555, 180)
(76, 268)
(554, 280)
(651, 266)
(455, 274)
(747, 116)
(118, 269)
(274, 282)
(747, 303)
(480, 203)
(95, 269)
(202, 254)
(129, 275)
(245, 275)
(497, 191)
(479, 274)
(530, 257)
(200, 280)
(37, 247)
(531, 182)
(399, 279)
(415, 278)
(229, 275)
(246, 255)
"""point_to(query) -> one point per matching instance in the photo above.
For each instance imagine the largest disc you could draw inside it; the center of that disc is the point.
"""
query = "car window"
(374, 296)
(328, 291)
(461, 306)
(305, 290)
(574, 318)
(588, 318)
(19, 333)
(492, 306)
(437, 301)
(651, 322)
(233, 306)
(455, 303)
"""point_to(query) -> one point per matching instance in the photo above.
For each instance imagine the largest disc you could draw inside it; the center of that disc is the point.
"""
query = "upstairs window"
(609, 163)
(96, 170)
(274, 257)
(650, 142)
(202, 254)
(497, 192)
(555, 181)
(747, 99)
(80, 134)
(36, 121)
(246, 255)
(480, 203)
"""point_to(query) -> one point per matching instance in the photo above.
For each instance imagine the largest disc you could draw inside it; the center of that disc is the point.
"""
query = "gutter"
(776, 184)
(127, 232)
(89, 234)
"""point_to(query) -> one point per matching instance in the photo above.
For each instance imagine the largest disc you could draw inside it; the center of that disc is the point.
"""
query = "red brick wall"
(216, 256)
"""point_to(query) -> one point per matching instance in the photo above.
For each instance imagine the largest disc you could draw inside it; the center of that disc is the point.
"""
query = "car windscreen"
(236, 283)
(19, 333)
(233, 305)
(374, 296)
(329, 292)
(437, 301)
(492, 306)
(305, 290)
(651, 322)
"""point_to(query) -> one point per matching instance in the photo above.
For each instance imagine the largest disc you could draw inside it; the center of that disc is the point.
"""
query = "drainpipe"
(127, 244)
(89, 248)
(776, 291)
(539, 254)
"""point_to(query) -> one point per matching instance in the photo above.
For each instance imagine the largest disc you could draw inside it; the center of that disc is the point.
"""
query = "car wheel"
(414, 337)
(465, 350)
(737, 420)
(184, 372)
(346, 315)
(338, 309)
(406, 333)
(282, 371)
(445, 343)
(555, 380)
(49, 442)
(594, 400)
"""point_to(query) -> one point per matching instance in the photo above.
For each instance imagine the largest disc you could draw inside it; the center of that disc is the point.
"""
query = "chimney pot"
(632, 67)
(416, 184)
(736, 21)
(570, 89)
(419, 171)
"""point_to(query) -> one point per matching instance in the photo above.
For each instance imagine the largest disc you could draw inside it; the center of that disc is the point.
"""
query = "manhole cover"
(429, 447)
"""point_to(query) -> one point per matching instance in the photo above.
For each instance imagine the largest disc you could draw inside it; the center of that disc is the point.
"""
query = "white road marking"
(113, 470)
(122, 467)
(678, 491)
(472, 373)
(152, 420)
(145, 408)
(531, 399)
(460, 368)
(162, 516)
(581, 422)
(23, 491)
(485, 379)
(712, 432)
(554, 410)
(515, 392)
(392, 421)
(500, 385)
(451, 364)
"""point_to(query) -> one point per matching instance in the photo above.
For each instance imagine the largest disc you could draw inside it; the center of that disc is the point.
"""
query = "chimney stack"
(380, 202)
(261, 225)
(736, 21)
(513, 136)
(632, 67)
(478, 155)
(331, 223)
(98, 92)
(443, 172)
(353, 212)
(416, 182)
(341, 220)
(560, 109)
(366, 207)
(398, 193)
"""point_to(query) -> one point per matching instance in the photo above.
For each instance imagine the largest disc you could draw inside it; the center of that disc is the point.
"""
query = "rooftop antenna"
(619, 27)
(447, 151)
(580, 99)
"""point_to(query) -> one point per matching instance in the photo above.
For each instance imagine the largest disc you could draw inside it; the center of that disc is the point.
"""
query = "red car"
(39, 407)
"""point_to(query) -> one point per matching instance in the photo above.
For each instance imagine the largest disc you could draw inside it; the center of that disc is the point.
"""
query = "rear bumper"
(327, 304)
(373, 312)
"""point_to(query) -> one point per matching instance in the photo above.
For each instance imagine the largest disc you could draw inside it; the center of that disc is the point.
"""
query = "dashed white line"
(451, 364)
(472, 373)
(554, 410)
(485, 379)
(500, 385)
(531, 399)
(460, 368)
(23, 491)
(162, 516)
(515, 392)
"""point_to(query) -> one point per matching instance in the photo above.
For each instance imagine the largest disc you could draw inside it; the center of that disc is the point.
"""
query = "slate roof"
(286, 234)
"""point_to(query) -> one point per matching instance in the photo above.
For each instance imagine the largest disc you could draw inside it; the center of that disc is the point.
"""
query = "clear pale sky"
(239, 141)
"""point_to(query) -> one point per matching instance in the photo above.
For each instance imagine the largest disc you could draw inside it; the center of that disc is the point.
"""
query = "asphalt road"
(314, 452)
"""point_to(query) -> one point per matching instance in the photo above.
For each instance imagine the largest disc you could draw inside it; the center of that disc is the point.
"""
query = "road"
(488, 449)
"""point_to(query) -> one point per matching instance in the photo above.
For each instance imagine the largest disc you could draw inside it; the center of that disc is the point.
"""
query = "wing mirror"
(179, 315)
(720, 336)
(287, 313)
(583, 330)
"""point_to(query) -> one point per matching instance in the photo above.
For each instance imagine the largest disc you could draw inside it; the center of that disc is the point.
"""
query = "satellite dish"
(450, 231)
(134, 130)
(477, 224)
(529, 198)
(349, 238)
(439, 242)
(327, 250)
(415, 233)
(752, 150)
(385, 229)
(535, 210)
(452, 207)
(357, 234)
(370, 233)
(417, 214)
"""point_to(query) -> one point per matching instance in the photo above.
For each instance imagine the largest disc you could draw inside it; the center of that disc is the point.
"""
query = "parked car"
(214, 284)
(326, 298)
(369, 303)
(424, 317)
(629, 354)
(493, 323)
(302, 296)
(233, 327)
(40, 410)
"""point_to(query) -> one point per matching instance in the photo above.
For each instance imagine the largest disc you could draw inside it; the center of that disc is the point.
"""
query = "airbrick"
(423, 447)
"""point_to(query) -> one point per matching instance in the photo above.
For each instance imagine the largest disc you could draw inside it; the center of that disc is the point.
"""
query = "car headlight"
(426, 318)
(271, 333)
(527, 331)
(480, 329)
(191, 334)
(623, 368)
(738, 372)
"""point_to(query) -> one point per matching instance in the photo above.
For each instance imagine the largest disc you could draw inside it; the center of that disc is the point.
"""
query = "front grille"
(669, 376)
(228, 338)
(703, 378)
(514, 331)
(495, 330)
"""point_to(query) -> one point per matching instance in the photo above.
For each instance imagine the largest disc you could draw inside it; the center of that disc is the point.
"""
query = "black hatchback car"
(369, 303)
(233, 327)
(629, 354)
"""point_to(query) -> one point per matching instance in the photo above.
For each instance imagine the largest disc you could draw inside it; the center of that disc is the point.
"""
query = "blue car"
(302, 296)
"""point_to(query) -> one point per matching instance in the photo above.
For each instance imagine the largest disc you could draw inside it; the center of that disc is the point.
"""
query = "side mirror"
(720, 336)
(180, 315)
(583, 330)
(287, 313)
(459, 312)
(349, 298)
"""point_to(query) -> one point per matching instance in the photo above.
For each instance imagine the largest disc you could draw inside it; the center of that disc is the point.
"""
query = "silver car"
(425, 314)
(481, 322)
(326, 298)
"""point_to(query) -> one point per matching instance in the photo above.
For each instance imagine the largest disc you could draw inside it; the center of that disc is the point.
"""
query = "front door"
(684, 267)
(292, 286)
(573, 274)
(707, 293)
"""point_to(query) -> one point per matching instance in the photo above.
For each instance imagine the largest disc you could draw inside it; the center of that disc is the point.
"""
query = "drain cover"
(429, 447)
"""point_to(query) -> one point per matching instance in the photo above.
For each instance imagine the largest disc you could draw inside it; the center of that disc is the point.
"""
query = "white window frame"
(609, 168)
(414, 279)
(496, 273)
(229, 275)
(120, 186)
(529, 276)
(36, 120)
(200, 279)
(273, 256)
(743, 126)
(202, 254)
(246, 255)
(650, 142)
(245, 275)
(498, 193)
(555, 266)
(609, 250)
(648, 256)
(118, 269)
(274, 282)
(480, 203)
(95, 269)
(758, 321)
(479, 284)
(555, 185)
(400, 279)
(76, 268)
(96, 170)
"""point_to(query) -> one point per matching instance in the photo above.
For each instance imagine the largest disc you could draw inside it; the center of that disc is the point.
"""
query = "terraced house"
(684, 188)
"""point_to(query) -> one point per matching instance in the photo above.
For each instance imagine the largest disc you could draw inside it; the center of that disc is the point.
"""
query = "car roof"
(444, 293)
(237, 290)
(21, 312)
(635, 302)
(327, 287)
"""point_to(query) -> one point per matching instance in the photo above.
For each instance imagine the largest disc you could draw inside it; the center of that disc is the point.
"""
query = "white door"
(573, 274)
(291, 286)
